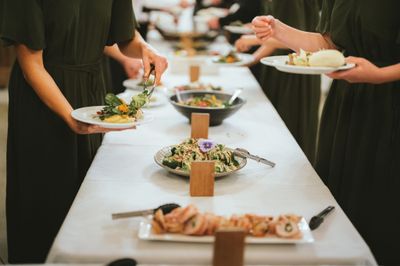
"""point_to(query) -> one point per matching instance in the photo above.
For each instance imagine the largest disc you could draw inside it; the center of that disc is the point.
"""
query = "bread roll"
(326, 58)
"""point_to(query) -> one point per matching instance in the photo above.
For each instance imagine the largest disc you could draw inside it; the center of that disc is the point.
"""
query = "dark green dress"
(359, 145)
(46, 161)
(295, 97)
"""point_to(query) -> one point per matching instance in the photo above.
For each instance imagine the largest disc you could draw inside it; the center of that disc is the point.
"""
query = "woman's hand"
(151, 57)
(86, 129)
(132, 67)
(264, 27)
(243, 44)
(363, 72)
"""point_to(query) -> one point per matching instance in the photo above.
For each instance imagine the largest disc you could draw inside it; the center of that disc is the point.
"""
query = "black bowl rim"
(233, 106)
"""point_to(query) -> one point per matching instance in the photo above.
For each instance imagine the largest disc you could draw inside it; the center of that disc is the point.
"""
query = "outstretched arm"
(31, 63)
(267, 27)
(138, 48)
(131, 66)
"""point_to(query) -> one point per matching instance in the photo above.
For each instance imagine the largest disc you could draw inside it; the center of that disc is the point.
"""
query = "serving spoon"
(234, 96)
(166, 208)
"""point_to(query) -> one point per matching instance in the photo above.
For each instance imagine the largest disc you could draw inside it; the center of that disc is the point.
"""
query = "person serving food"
(59, 47)
(359, 144)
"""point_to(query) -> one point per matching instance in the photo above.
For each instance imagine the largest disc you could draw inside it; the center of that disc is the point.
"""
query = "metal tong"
(245, 154)
(150, 92)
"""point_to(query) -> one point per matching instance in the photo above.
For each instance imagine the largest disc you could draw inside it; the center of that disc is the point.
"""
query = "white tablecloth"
(124, 177)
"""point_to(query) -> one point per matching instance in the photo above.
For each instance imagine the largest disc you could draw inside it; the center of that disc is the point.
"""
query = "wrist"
(278, 30)
(380, 76)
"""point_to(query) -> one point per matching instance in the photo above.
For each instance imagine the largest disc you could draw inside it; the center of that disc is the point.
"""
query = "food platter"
(166, 151)
(145, 233)
(88, 115)
(135, 84)
(245, 59)
(280, 63)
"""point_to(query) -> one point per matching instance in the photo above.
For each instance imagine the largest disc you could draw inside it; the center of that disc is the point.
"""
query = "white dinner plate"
(133, 84)
(145, 233)
(244, 60)
(279, 62)
(87, 115)
(157, 98)
(239, 29)
(166, 151)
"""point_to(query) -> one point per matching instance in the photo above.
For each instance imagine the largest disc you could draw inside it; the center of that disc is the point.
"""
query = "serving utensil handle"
(244, 153)
(122, 215)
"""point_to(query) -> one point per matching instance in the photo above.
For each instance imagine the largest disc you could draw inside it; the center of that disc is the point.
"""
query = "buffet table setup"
(124, 177)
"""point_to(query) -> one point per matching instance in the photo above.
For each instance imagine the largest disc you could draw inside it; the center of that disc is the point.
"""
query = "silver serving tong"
(245, 154)
(150, 92)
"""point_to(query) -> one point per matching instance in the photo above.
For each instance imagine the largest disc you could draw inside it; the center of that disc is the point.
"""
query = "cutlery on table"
(245, 154)
(235, 95)
(150, 92)
(166, 208)
(319, 218)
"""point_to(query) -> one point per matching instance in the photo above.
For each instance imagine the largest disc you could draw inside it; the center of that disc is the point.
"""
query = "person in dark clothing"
(59, 69)
(359, 141)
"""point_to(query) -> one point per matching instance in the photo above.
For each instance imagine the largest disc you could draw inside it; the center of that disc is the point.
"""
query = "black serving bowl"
(217, 115)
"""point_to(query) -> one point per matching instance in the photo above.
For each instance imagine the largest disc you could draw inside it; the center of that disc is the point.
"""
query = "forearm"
(134, 47)
(114, 53)
(296, 39)
(42, 83)
(390, 73)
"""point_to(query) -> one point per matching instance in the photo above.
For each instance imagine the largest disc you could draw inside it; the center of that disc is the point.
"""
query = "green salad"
(190, 150)
(117, 110)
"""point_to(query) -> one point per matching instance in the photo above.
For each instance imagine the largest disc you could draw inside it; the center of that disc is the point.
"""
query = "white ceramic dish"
(87, 115)
(166, 151)
(279, 62)
(157, 98)
(244, 60)
(145, 233)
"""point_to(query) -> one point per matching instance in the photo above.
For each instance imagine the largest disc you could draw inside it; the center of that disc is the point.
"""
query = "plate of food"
(214, 103)
(156, 99)
(116, 113)
(138, 84)
(199, 86)
(177, 159)
(238, 27)
(321, 62)
(188, 224)
(233, 59)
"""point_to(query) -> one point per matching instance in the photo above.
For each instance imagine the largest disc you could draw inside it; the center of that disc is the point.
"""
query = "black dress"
(359, 145)
(46, 161)
(295, 97)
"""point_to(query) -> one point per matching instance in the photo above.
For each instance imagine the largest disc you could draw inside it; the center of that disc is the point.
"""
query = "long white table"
(124, 177)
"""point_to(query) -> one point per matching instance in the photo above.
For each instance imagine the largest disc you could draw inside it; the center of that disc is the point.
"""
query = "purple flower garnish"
(206, 145)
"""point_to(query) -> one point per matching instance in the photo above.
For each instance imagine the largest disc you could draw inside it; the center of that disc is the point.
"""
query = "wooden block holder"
(202, 174)
(229, 247)
(200, 123)
(194, 73)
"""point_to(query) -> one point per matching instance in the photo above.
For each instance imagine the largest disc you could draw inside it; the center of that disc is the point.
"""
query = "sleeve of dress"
(21, 21)
(123, 22)
(324, 25)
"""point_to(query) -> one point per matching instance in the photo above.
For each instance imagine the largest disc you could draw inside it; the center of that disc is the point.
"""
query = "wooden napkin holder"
(202, 178)
(229, 247)
(202, 173)
(200, 123)
(194, 73)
